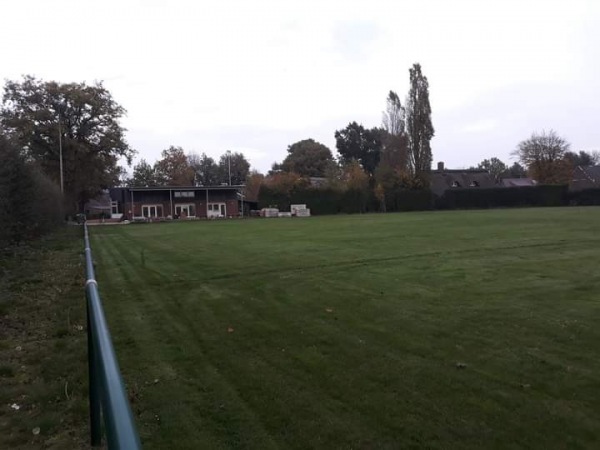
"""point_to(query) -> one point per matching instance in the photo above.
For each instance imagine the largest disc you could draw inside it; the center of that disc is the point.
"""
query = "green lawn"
(43, 365)
(466, 329)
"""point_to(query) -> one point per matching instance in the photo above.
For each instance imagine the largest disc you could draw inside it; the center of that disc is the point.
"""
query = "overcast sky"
(256, 76)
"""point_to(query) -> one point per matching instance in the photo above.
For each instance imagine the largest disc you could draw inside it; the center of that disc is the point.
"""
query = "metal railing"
(108, 398)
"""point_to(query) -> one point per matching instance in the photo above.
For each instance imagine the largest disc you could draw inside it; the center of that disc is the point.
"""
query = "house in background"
(517, 182)
(175, 202)
(585, 177)
(444, 179)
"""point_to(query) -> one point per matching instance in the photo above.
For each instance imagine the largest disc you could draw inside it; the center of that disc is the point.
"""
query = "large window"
(152, 211)
(183, 194)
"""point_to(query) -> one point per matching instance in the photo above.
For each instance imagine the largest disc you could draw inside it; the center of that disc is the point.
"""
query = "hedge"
(585, 197)
(323, 201)
(331, 201)
(541, 195)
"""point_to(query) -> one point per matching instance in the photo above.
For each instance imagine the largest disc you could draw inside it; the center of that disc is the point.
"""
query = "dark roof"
(442, 180)
(592, 173)
(517, 182)
(183, 188)
(585, 177)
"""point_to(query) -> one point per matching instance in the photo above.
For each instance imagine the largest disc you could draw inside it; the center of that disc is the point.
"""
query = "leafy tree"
(240, 167)
(583, 158)
(36, 112)
(418, 122)
(494, 166)
(515, 171)
(283, 183)
(143, 175)
(275, 168)
(355, 177)
(357, 184)
(253, 183)
(544, 156)
(206, 169)
(379, 192)
(173, 169)
(360, 144)
(308, 158)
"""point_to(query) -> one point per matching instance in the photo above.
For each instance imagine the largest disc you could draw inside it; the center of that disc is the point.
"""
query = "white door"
(216, 210)
(185, 210)
(152, 211)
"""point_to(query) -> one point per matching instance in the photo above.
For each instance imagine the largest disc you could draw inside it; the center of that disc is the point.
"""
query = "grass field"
(472, 329)
(43, 366)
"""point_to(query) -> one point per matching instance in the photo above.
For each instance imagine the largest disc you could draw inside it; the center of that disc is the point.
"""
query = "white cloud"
(186, 71)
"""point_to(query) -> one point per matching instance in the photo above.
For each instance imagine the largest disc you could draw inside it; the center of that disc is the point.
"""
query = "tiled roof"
(517, 182)
(448, 179)
(592, 172)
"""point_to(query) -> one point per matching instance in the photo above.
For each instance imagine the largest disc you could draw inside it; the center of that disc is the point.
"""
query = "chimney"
(441, 166)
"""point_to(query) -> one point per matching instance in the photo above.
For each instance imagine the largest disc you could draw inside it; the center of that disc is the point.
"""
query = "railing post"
(94, 394)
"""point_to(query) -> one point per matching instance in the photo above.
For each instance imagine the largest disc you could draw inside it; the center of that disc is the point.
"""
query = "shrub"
(30, 204)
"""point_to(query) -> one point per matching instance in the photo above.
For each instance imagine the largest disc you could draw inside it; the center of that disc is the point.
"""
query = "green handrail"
(108, 398)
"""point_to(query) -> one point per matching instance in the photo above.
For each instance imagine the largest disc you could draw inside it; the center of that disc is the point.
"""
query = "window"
(217, 210)
(183, 194)
(455, 184)
(474, 183)
(152, 211)
(187, 210)
(114, 207)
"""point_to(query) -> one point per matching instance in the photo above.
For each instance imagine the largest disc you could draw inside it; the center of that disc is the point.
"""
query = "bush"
(30, 204)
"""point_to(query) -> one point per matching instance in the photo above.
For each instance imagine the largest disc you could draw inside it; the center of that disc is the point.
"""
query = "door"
(184, 211)
(152, 211)
(216, 210)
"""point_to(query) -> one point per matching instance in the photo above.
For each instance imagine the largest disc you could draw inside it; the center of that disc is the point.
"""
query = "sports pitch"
(461, 329)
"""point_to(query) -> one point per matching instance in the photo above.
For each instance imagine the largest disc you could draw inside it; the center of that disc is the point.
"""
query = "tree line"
(176, 168)
(395, 155)
(42, 120)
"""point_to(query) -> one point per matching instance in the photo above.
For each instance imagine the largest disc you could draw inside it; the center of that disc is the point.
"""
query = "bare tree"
(394, 116)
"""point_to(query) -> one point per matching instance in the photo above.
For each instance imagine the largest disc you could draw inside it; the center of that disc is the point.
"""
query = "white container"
(303, 212)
